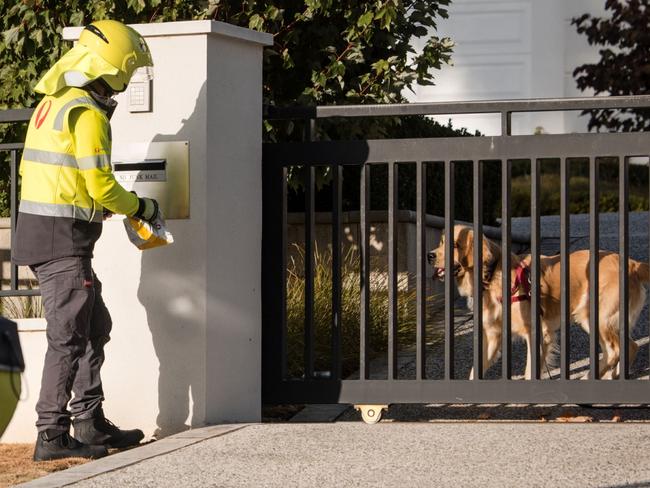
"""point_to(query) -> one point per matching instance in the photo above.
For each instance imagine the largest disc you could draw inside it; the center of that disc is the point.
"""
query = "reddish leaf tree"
(624, 65)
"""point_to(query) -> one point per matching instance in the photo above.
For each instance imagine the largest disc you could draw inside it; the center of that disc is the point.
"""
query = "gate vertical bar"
(312, 129)
(393, 209)
(14, 213)
(565, 289)
(623, 253)
(449, 270)
(594, 259)
(337, 197)
(478, 269)
(310, 179)
(283, 275)
(421, 288)
(364, 325)
(506, 123)
(535, 167)
(506, 347)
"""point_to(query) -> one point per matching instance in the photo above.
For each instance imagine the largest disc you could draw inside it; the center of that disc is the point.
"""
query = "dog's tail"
(642, 270)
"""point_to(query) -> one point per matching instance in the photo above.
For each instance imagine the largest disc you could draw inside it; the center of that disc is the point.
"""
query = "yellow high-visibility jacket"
(67, 179)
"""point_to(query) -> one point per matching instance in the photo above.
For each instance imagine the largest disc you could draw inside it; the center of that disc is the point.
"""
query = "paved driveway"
(401, 454)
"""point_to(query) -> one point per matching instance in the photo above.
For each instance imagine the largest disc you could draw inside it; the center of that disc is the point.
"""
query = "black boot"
(99, 431)
(57, 444)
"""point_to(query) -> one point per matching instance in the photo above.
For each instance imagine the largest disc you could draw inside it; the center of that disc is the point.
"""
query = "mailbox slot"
(157, 170)
(147, 170)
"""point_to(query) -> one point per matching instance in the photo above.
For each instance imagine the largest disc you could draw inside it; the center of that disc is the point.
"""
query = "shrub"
(350, 312)
(578, 188)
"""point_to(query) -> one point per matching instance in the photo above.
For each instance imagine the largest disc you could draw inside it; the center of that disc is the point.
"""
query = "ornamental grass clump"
(26, 307)
(350, 312)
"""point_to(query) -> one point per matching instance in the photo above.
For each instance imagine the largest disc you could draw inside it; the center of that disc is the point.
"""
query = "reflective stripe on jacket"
(67, 179)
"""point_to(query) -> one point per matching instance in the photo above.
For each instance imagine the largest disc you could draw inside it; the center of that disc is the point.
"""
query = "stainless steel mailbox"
(159, 170)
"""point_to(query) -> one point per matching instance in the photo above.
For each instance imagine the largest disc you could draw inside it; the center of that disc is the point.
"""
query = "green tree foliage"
(624, 65)
(324, 51)
(347, 51)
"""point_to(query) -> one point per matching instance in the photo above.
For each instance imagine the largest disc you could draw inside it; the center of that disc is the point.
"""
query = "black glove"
(147, 209)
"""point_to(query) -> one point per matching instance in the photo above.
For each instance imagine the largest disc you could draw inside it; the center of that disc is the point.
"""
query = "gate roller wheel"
(371, 414)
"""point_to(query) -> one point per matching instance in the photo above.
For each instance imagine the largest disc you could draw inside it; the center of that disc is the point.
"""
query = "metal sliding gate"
(278, 387)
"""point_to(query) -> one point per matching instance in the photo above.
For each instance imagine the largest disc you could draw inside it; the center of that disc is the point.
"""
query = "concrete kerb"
(132, 456)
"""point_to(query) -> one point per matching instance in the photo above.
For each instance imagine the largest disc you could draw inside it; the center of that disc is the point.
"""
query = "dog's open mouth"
(439, 273)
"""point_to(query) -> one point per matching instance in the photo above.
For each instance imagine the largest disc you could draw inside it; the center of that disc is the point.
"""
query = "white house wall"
(509, 50)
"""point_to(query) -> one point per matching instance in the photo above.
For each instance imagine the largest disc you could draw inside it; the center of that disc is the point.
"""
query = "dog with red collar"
(549, 296)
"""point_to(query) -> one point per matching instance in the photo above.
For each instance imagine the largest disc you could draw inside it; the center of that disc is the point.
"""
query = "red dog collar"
(521, 285)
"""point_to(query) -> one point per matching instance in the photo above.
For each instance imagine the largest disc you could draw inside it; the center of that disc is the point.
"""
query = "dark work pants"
(78, 327)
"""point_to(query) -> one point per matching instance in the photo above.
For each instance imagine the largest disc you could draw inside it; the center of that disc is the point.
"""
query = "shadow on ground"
(503, 413)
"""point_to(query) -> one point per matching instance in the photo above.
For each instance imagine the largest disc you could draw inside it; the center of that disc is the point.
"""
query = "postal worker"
(67, 187)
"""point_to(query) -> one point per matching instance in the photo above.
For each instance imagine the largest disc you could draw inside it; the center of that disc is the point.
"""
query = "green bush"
(350, 312)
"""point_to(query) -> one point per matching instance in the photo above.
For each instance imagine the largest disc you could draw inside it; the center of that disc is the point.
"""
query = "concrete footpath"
(426, 454)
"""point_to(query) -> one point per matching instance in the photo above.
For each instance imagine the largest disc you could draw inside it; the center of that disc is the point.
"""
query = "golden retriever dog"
(463, 271)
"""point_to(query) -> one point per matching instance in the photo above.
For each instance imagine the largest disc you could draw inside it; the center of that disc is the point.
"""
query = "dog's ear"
(491, 251)
(464, 246)
(491, 256)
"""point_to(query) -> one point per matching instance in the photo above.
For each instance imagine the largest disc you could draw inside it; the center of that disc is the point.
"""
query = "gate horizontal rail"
(460, 391)
(314, 386)
(572, 146)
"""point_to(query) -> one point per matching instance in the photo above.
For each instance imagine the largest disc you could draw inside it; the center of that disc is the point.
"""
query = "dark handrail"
(16, 115)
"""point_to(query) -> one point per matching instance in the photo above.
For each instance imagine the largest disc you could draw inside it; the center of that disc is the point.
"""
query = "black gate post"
(273, 277)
